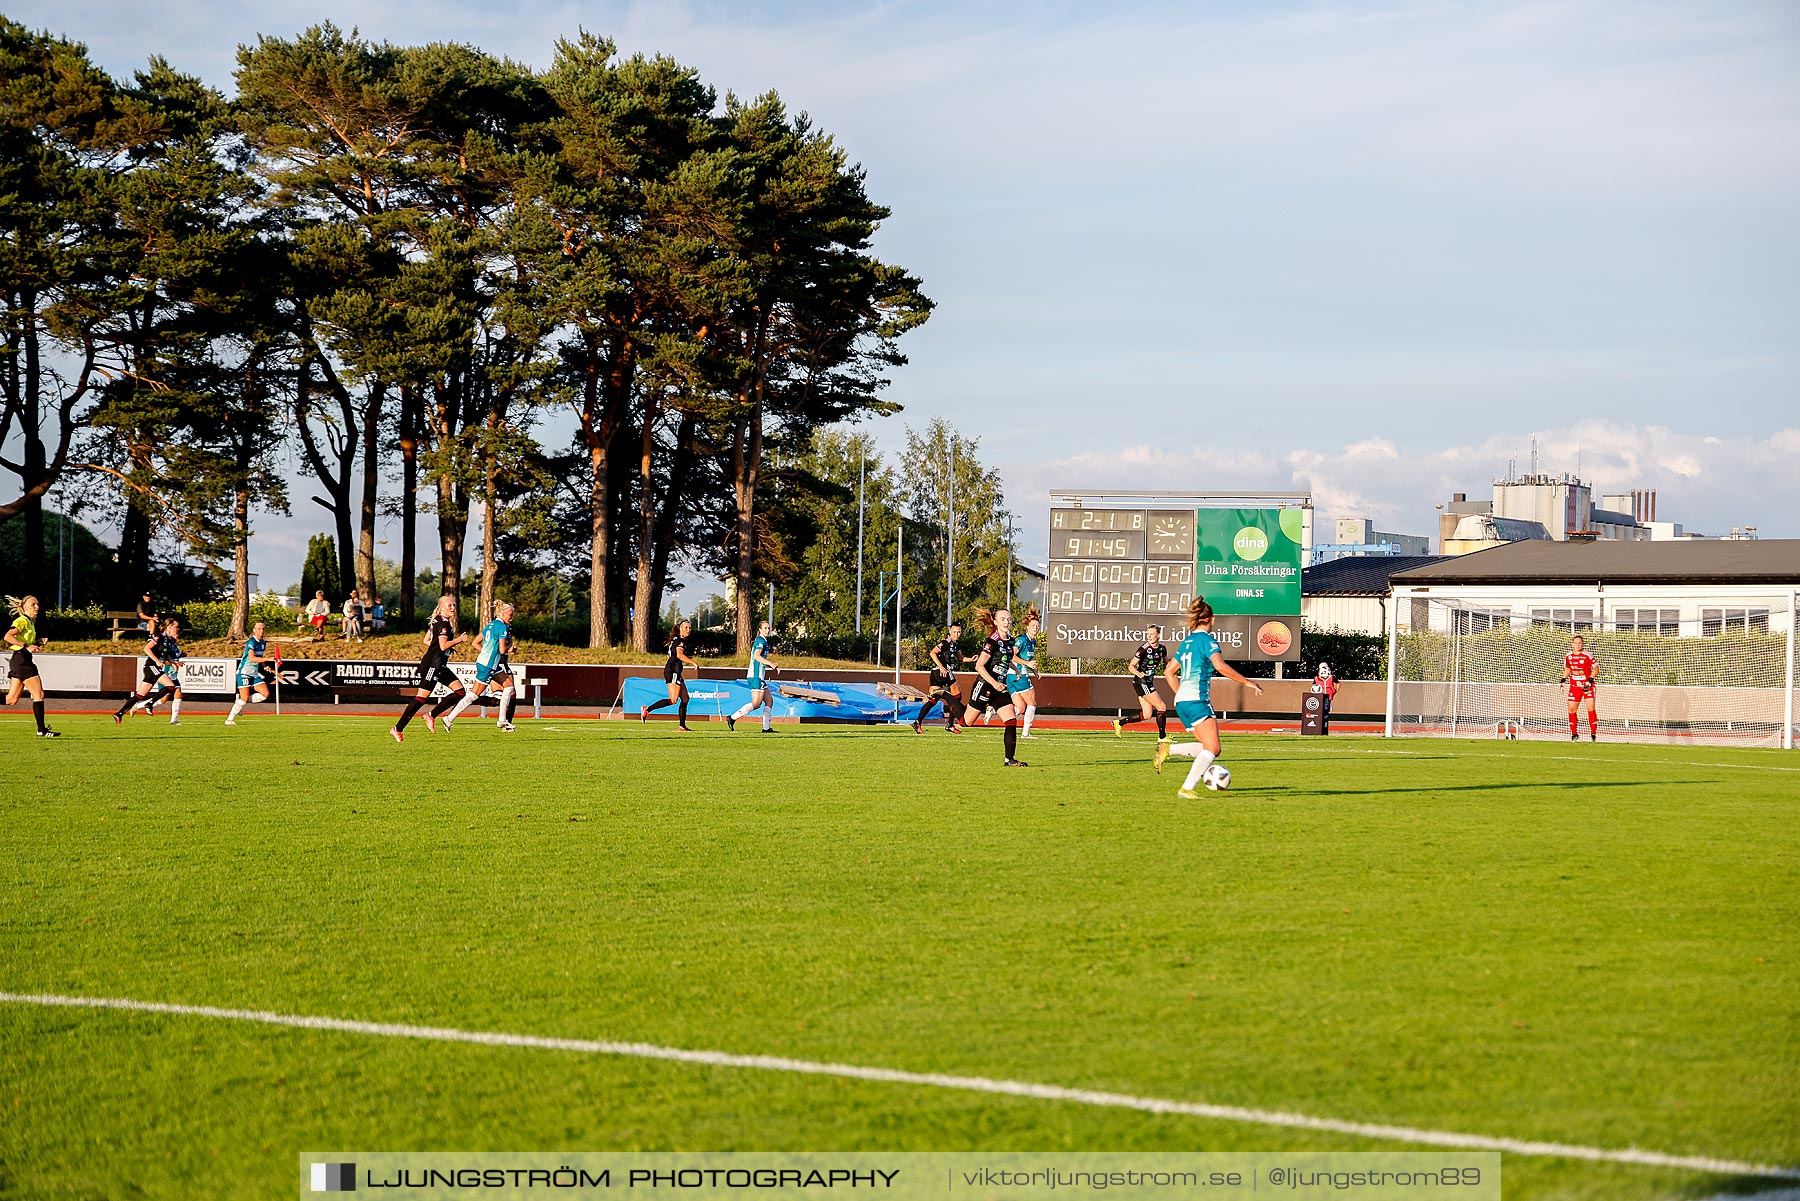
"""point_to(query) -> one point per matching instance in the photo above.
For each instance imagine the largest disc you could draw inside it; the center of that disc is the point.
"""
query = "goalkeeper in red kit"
(1578, 674)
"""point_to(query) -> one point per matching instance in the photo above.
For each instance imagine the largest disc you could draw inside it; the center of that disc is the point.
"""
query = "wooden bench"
(125, 622)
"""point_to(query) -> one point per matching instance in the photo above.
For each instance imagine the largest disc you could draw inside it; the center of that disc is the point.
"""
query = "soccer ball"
(1217, 777)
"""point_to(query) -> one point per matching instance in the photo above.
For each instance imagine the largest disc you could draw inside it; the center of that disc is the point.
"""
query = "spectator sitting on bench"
(353, 617)
(377, 617)
(146, 611)
(316, 611)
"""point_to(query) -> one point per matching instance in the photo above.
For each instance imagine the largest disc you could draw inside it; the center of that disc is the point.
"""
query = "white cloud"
(1706, 483)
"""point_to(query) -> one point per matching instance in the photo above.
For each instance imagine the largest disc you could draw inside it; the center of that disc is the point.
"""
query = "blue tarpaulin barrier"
(720, 698)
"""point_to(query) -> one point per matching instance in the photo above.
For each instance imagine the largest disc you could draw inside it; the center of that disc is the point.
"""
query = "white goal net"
(1695, 671)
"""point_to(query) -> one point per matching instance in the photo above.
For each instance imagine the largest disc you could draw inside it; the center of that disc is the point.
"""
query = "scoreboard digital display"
(1114, 571)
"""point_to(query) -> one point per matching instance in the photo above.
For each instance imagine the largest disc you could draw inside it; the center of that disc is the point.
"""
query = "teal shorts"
(1192, 713)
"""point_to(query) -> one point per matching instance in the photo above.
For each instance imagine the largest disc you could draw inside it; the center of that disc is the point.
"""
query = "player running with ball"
(760, 696)
(253, 673)
(491, 667)
(992, 664)
(1190, 673)
(1578, 674)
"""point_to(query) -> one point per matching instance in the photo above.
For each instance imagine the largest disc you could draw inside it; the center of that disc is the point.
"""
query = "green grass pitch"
(1583, 944)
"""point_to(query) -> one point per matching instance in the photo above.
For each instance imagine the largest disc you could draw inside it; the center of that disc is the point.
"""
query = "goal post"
(1705, 670)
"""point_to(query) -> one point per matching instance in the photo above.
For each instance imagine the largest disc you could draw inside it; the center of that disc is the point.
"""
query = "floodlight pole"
(1009, 562)
(859, 534)
(950, 541)
(1787, 696)
(899, 560)
(1393, 635)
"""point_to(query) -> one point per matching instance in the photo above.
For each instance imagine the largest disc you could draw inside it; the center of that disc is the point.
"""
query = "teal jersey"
(760, 646)
(493, 643)
(1195, 656)
(1018, 679)
(247, 664)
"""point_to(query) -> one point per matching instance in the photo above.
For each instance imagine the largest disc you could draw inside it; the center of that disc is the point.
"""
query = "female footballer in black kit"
(992, 664)
(946, 657)
(1146, 666)
(434, 668)
(679, 662)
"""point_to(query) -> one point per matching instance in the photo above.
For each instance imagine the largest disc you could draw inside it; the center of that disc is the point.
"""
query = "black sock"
(37, 711)
(1011, 737)
(449, 702)
(681, 713)
(1162, 725)
(1125, 721)
(655, 705)
(412, 707)
(925, 710)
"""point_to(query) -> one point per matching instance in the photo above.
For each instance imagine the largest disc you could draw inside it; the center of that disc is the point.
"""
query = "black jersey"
(168, 649)
(441, 631)
(950, 655)
(677, 647)
(999, 653)
(1150, 660)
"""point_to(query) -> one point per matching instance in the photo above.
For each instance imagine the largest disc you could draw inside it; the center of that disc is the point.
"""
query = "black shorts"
(942, 685)
(672, 673)
(152, 673)
(984, 696)
(21, 666)
(439, 674)
(1143, 685)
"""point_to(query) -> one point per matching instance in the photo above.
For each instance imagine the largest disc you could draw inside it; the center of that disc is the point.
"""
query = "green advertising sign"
(1248, 560)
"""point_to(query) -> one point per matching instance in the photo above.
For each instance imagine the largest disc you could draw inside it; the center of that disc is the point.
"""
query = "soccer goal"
(1695, 669)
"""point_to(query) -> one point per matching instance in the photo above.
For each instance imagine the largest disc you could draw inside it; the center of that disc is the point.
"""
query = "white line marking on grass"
(973, 1084)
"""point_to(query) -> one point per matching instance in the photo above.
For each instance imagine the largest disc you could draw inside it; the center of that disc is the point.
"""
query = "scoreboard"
(1134, 561)
(1112, 572)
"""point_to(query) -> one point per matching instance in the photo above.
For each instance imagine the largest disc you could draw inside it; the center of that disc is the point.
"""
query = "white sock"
(257, 698)
(468, 698)
(1203, 759)
(175, 710)
(741, 714)
(506, 694)
(1030, 714)
(768, 717)
(237, 707)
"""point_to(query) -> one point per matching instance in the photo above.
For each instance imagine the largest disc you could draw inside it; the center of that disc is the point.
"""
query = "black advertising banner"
(326, 675)
(1243, 637)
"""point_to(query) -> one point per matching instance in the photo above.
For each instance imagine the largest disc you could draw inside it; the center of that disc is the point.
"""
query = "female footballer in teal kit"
(1024, 671)
(758, 679)
(1190, 673)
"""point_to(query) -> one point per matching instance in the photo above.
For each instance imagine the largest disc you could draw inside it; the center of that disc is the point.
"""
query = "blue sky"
(1369, 250)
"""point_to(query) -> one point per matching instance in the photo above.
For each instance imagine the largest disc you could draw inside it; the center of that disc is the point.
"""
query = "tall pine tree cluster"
(392, 265)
